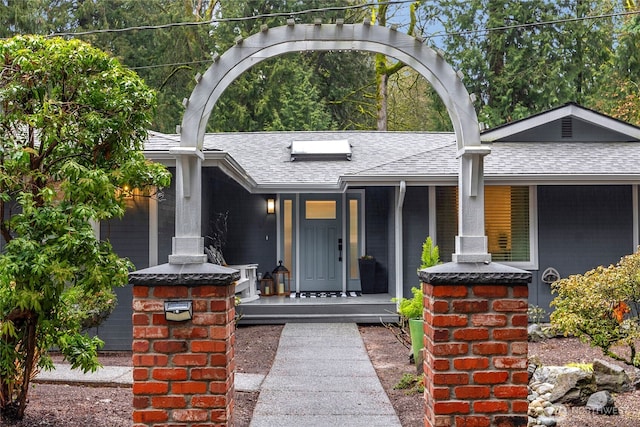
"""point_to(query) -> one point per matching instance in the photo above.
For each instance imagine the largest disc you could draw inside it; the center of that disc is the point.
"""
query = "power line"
(536, 24)
(446, 34)
(238, 19)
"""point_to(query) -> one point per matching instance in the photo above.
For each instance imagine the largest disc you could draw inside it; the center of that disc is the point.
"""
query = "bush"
(600, 307)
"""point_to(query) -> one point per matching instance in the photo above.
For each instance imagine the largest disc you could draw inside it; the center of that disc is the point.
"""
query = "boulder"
(602, 403)
(611, 377)
(571, 385)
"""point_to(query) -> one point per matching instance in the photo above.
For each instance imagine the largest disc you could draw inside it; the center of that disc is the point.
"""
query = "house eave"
(564, 179)
(569, 110)
(220, 159)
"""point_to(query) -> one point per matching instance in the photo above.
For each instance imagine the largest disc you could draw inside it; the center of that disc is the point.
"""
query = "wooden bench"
(247, 285)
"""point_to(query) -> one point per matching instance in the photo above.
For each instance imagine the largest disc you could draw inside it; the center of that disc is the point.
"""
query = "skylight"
(321, 150)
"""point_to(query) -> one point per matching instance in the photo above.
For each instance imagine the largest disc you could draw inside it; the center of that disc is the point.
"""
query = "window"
(354, 239)
(320, 209)
(508, 223)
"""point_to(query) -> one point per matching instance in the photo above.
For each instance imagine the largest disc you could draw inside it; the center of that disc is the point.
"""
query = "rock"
(546, 421)
(636, 379)
(611, 377)
(544, 388)
(536, 332)
(571, 385)
(602, 403)
(533, 363)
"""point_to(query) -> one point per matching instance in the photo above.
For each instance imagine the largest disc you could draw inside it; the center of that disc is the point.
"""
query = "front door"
(321, 246)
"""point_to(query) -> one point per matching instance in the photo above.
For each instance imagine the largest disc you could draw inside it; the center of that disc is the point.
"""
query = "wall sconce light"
(271, 206)
(178, 311)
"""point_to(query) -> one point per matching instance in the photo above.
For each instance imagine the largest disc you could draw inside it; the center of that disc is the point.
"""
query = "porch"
(366, 308)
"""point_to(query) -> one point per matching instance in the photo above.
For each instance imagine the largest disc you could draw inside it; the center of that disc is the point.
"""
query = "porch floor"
(367, 308)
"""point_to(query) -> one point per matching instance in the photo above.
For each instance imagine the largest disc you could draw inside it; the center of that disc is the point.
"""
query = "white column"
(188, 243)
(471, 242)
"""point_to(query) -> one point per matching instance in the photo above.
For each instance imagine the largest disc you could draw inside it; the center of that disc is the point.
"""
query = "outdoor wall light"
(271, 206)
(178, 311)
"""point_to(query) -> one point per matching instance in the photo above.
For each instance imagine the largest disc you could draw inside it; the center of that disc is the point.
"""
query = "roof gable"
(568, 123)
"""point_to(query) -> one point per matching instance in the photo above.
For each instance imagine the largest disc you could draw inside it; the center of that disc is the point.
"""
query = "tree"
(618, 93)
(73, 125)
(386, 67)
(601, 307)
(264, 96)
(517, 68)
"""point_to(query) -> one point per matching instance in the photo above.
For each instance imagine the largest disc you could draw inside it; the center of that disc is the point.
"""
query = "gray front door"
(321, 246)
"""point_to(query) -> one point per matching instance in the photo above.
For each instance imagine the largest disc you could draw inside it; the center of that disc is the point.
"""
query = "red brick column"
(183, 372)
(475, 345)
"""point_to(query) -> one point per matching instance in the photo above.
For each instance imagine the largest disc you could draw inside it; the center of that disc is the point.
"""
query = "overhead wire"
(328, 9)
(236, 19)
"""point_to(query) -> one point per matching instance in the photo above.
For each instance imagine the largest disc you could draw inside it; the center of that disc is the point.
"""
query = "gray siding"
(129, 237)
(415, 231)
(580, 132)
(251, 233)
(580, 228)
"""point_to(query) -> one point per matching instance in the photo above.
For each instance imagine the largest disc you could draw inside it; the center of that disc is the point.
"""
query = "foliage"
(413, 384)
(73, 124)
(516, 69)
(412, 308)
(536, 313)
(587, 367)
(601, 307)
(430, 254)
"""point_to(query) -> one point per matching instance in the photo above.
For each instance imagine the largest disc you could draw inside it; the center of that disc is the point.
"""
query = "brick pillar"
(183, 372)
(475, 345)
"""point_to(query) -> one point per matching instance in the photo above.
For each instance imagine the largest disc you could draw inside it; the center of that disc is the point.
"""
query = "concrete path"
(122, 376)
(322, 376)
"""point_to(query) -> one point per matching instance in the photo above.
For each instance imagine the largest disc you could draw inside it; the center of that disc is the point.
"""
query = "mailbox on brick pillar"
(475, 356)
(183, 332)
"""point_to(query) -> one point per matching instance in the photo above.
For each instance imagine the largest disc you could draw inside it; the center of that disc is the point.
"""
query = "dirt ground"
(72, 406)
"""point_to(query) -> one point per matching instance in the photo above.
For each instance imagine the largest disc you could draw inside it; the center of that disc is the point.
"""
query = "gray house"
(561, 197)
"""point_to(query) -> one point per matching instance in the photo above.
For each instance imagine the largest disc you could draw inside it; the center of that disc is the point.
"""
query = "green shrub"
(601, 307)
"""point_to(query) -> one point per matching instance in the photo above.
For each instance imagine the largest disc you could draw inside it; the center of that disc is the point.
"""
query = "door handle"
(340, 249)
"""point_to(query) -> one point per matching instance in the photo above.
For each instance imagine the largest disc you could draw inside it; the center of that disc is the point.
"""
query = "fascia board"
(363, 180)
(559, 179)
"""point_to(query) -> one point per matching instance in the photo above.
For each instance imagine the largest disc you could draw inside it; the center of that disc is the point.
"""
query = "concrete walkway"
(122, 376)
(322, 376)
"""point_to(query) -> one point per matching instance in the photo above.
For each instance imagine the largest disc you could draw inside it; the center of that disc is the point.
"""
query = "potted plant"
(411, 309)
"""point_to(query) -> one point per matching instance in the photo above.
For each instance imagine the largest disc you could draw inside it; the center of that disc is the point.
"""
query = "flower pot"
(367, 275)
(416, 330)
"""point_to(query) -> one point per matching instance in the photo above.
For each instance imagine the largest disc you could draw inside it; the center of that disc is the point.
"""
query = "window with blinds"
(506, 219)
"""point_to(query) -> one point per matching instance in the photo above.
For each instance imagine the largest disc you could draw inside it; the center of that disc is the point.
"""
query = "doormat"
(326, 294)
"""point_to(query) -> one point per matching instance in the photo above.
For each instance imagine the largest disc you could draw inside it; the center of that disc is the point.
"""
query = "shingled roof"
(262, 162)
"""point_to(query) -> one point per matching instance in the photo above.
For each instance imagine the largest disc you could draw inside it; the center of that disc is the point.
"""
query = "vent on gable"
(321, 150)
(567, 127)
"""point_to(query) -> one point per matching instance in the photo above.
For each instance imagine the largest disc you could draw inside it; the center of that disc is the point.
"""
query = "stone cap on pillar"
(185, 275)
(455, 273)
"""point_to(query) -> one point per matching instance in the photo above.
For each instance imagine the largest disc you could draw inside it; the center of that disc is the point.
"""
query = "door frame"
(296, 211)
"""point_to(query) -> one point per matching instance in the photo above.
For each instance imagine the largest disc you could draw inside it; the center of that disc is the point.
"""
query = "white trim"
(433, 224)
(634, 209)
(153, 231)
(296, 213)
(401, 190)
(343, 236)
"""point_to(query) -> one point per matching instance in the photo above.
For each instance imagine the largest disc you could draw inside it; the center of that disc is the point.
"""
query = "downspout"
(398, 231)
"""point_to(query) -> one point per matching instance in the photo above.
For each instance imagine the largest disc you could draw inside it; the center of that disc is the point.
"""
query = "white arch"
(470, 244)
